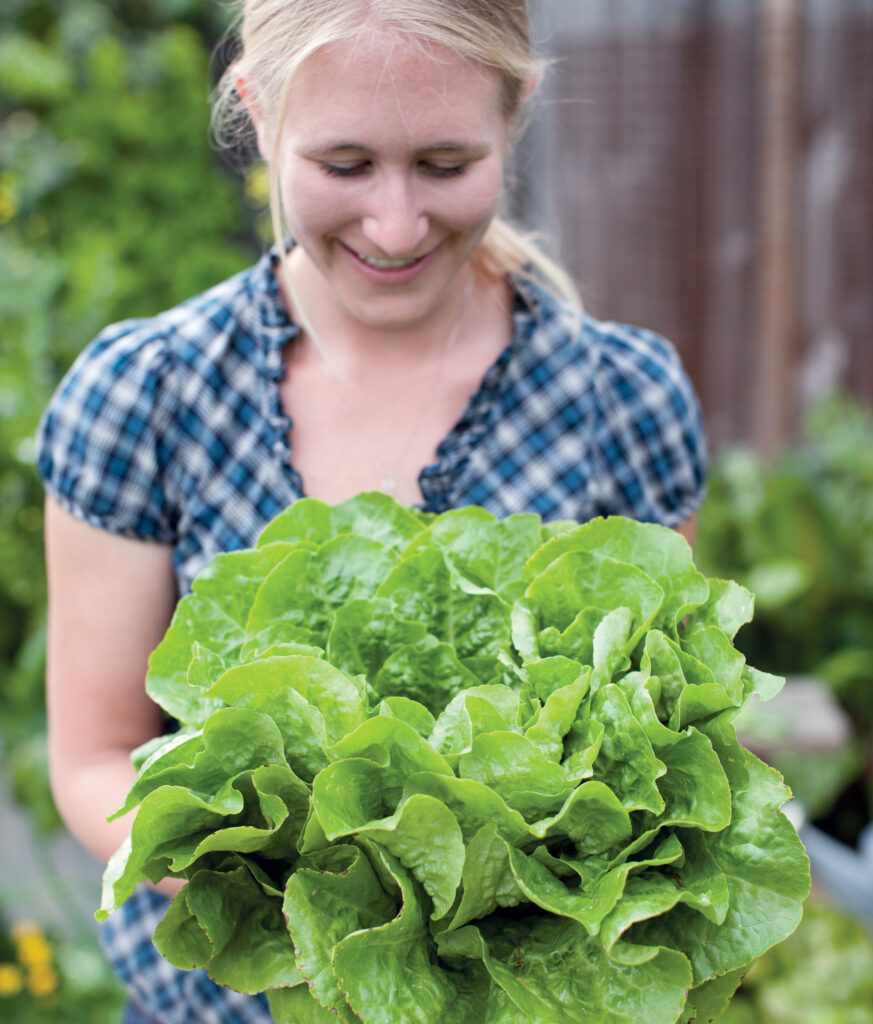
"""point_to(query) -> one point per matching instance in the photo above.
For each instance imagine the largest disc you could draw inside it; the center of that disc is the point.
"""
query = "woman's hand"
(110, 601)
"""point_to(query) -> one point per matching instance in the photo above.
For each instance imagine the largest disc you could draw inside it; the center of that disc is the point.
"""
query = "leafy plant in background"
(110, 208)
(49, 978)
(461, 769)
(799, 534)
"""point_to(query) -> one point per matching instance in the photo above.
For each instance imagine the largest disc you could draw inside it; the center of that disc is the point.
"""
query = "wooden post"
(778, 269)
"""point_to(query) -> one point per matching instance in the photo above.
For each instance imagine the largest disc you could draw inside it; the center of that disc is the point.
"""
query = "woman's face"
(390, 167)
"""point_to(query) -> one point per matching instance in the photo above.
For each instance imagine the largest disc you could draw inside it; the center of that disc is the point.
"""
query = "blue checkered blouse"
(171, 429)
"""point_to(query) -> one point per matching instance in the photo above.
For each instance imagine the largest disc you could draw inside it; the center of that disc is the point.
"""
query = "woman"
(406, 340)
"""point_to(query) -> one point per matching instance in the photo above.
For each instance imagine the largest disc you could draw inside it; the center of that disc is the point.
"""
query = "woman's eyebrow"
(441, 146)
(338, 147)
(456, 146)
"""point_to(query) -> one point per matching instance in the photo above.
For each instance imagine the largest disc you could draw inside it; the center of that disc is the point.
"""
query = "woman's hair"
(276, 37)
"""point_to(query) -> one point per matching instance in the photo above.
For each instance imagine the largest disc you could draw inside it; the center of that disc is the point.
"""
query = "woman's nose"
(394, 221)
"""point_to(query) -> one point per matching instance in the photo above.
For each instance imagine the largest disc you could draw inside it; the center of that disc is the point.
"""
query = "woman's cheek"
(476, 204)
(315, 207)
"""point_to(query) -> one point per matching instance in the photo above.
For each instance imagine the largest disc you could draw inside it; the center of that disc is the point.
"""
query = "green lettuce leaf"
(325, 903)
(213, 616)
(389, 973)
(240, 928)
(764, 863)
(425, 589)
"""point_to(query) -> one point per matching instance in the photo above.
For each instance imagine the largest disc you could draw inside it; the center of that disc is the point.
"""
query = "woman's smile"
(385, 264)
(382, 270)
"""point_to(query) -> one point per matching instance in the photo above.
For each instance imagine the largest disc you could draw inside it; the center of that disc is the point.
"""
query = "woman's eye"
(343, 170)
(444, 171)
(432, 169)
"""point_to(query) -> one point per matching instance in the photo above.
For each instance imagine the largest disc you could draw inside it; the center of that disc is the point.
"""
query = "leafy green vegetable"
(462, 770)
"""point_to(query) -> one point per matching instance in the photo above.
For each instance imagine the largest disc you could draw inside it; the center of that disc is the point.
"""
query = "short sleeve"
(650, 435)
(99, 444)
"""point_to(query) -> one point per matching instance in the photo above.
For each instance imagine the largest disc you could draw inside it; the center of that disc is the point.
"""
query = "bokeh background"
(704, 167)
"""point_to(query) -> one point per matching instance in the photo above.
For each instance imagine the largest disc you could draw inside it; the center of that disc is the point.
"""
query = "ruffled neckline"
(273, 328)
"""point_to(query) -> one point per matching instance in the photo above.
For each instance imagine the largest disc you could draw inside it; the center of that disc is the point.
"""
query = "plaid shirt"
(171, 429)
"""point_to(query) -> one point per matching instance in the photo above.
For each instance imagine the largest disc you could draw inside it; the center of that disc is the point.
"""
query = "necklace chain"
(387, 474)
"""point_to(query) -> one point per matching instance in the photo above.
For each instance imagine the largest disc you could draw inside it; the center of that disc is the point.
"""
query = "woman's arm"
(688, 529)
(110, 601)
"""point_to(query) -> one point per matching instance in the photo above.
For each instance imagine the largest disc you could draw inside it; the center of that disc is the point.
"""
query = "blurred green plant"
(822, 974)
(44, 977)
(799, 534)
(112, 205)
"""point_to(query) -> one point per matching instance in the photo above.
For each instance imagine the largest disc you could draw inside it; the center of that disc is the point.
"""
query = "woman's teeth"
(372, 261)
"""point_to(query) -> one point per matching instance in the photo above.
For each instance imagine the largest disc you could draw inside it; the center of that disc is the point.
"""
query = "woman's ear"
(256, 113)
(531, 85)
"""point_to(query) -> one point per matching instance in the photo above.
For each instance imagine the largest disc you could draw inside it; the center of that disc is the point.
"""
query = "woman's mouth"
(380, 264)
(382, 270)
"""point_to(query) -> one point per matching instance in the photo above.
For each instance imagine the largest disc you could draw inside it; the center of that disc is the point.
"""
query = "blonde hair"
(277, 36)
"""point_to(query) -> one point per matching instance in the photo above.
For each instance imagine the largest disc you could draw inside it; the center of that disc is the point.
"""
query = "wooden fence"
(705, 168)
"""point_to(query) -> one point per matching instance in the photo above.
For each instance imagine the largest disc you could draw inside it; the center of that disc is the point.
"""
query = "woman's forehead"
(383, 80)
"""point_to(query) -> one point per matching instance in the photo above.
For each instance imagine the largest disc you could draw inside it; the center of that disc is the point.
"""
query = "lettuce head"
(462, 770)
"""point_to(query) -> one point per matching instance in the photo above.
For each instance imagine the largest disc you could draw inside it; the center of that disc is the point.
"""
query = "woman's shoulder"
(611, 359)
(629, 353)
(140, 365)
(139, 389)
(608, 405)
(177, 334)
(640, 380)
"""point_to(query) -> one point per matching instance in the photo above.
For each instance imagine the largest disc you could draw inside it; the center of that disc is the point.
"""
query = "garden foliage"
(460, 769)
(109, 208)
(55, 980)
(799, 534)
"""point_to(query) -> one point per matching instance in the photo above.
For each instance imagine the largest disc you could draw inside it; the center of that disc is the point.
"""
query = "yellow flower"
(33, 949)
(42, 982)
(11, 980)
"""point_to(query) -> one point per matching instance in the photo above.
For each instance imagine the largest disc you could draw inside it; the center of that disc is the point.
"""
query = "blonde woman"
(400, 336)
